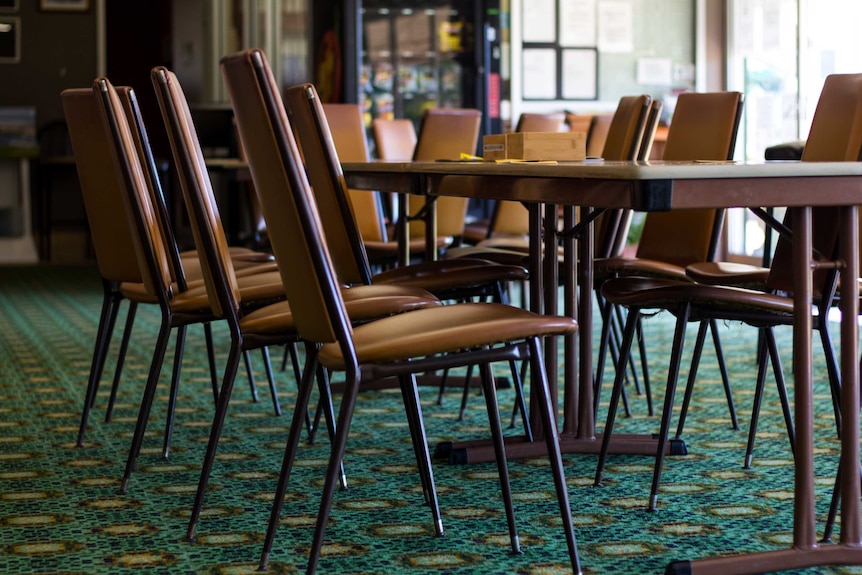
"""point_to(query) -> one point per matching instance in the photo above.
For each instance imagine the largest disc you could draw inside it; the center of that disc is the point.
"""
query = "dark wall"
(58, 51)
(138, 36)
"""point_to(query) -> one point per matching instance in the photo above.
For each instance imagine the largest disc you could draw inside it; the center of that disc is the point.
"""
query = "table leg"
(578, 435)
(806, 552)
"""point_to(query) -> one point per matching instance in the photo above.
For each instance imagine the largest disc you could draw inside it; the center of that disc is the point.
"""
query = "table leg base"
(482, 451)
(770, 561)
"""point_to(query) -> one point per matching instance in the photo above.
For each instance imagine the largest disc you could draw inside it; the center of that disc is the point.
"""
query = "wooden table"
(661, 186)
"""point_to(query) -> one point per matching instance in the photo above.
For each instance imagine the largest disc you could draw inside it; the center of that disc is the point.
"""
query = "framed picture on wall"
(8, 5)
(10, 40)
(64, 5)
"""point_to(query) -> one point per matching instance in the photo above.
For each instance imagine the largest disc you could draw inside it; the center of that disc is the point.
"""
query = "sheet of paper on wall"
(579, 74)
(655, 71)
(577, 23)
(616, 27)
(539, 21)
(540, 73)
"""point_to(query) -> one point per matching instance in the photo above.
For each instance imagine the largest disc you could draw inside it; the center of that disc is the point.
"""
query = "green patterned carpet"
(61, 511)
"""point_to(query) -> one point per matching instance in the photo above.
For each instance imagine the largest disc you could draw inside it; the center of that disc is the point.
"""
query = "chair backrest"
(836, 136)
(626, 129)
(598, 134)
(623, 140)
(650, 128)
(110, 232)
(394, 139)
(216, 266)
(141, 216)
(154, 185)
(348, 135)
(534, 122)
(296, 236)
(310, 126)
(704, 127)
(443, 135)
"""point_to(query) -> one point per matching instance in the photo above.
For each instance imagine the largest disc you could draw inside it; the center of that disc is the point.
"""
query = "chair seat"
(728, 273)
(443, 275)
(444, 329)
(610, 267)
(504, 256)
(377, 250)
(257, 287)
(363, 303)
(664, 293)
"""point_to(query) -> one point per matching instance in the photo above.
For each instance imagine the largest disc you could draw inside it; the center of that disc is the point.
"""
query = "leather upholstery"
(319, 308)
(324, 172)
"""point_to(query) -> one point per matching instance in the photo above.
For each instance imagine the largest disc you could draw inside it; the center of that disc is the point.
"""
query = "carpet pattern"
(61, 511)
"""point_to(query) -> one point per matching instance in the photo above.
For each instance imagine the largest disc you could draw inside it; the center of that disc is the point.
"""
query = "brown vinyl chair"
(622, 141)
(400, 346)
(249, 328)
(395, 140)
(650, 128)
(245, 261)
(114, 246)
(835, 135)
(706, 126)
(458, 280)
(445, 133)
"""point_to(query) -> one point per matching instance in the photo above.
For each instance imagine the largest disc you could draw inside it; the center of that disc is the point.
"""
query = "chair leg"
(215, 432)
(604, 343)
(692, 376)
(267, 364)
(442, 388)
(782, 389)
(326, 407)
(552, 440)
(644, 368)
(413, 409)
(759, 385)
(208, 337)
(290, 349)
(100, 348)
(771, 347)
(616, 392)
(121, 357)
(520, 401)
(465, 394)
(339, 443)
(725, 378)
(175, 382)
(831, 367)
(500, 452)
(301, 408)
(147, 400)
(246, 358)
(672, 376)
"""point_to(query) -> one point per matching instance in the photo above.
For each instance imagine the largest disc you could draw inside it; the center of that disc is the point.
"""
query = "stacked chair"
(705, 129)
(114, 245)
(835, 135)
(260, 326)
(457, 280)
(398, 346)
